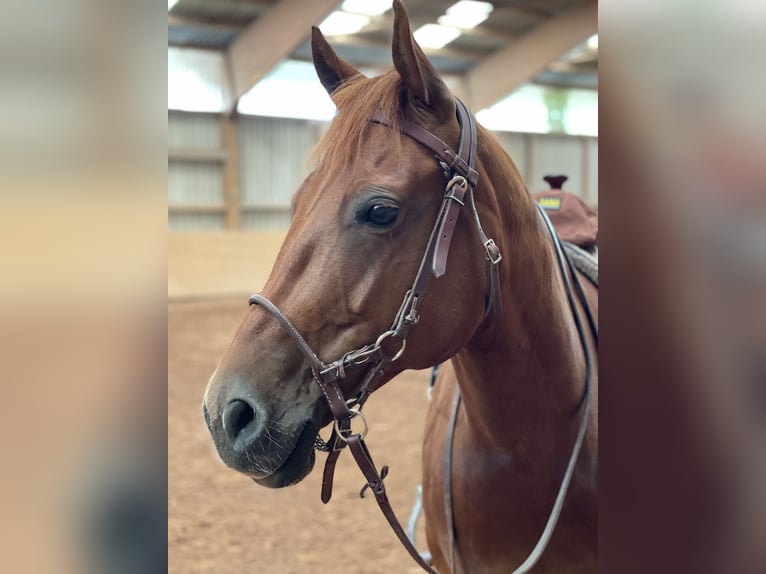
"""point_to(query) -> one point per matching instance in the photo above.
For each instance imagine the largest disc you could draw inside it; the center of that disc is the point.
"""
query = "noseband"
(375, 358)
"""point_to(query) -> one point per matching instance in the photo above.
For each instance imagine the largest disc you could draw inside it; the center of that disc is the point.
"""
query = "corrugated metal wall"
(194, 183)
(274, 160)
(196, 131)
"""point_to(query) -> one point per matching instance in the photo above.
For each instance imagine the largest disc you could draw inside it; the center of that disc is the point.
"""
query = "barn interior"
(245, 110)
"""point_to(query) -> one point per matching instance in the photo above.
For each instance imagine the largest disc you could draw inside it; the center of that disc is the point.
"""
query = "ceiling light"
(342, 23)
(470, 8)
(171, 3)
(435, 36)
(466, 14)
(290, 90)
(593, 42)
(368, 7)
(462, 21)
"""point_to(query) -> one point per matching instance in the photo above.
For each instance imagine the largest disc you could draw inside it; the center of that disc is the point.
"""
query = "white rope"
(553, 519)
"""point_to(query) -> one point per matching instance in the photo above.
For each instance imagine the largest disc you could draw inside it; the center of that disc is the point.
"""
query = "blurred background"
(683, 210)
(83, 258)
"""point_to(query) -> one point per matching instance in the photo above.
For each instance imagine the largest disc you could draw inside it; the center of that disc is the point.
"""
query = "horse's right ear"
(331, 69)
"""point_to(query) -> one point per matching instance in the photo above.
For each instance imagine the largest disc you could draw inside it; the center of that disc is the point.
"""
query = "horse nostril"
(238, 416)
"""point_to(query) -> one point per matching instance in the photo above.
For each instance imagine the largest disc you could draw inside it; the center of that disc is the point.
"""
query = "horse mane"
(357, 100)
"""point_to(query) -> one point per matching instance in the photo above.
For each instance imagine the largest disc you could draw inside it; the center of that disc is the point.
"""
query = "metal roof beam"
(184, 22)
(509, 68)
(271, 37)
(386, 23)
(358, 41)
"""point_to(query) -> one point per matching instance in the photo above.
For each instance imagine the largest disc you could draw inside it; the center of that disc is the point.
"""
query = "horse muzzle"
(274, 453)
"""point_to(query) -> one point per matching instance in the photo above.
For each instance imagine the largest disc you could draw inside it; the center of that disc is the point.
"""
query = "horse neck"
(523, 369)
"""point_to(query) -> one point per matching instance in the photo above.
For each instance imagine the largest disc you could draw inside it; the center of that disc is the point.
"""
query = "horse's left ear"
(331, 69)
(421, 79)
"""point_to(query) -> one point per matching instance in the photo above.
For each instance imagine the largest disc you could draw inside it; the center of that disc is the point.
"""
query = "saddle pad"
(583, 261)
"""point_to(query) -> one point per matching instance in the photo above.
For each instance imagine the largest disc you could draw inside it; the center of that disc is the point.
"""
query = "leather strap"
(459, 165)
(494, 302)
(284, 322)
(328, 474)
(466, 151)
(456, 164)
(448, 512)
(375, 483)
(352, 361)
(459, 187)
(441, 150)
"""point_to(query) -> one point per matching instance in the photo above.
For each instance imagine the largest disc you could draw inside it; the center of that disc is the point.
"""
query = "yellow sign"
(550, 203)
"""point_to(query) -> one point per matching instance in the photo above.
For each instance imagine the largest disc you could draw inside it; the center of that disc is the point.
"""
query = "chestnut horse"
(362, 222)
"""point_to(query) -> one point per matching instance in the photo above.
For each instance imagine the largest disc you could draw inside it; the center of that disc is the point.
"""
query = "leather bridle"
(375, 358)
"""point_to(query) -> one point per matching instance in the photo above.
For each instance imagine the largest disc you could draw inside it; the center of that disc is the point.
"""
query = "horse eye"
(382, 214)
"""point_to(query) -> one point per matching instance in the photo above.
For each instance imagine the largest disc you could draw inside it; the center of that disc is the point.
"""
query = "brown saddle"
(573, 219)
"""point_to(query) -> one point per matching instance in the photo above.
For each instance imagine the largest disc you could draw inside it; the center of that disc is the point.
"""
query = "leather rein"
(375, 358)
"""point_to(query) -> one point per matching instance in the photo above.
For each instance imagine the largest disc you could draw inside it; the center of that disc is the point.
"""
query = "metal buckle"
(321, 445)
(354, 412)
(353, 357)
(457, 181)
(385, 336)
(455, 198)
(493, 253)
(412, 317)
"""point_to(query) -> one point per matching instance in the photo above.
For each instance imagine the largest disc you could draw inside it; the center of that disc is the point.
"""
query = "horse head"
(361, 223)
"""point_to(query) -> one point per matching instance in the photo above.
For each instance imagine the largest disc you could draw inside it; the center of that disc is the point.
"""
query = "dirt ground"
(221, 522)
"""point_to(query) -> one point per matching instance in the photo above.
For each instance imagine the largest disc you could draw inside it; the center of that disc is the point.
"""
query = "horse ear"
(420, 77)
(331, 69)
